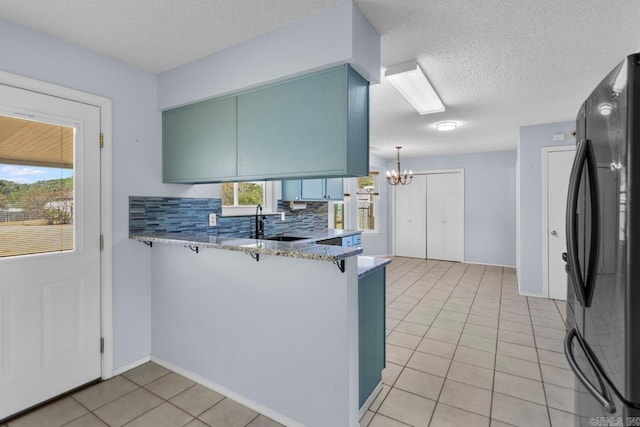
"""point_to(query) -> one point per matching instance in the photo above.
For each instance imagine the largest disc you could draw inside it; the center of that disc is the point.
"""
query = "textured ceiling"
(497, 64)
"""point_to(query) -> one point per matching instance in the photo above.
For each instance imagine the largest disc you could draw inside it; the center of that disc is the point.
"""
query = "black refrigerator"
(603, 252)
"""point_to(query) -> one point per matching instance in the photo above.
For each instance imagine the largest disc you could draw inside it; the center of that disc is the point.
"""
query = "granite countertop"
(304, 249)
(368, 264)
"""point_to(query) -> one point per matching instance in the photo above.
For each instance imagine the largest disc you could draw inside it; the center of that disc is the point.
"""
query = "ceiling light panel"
(412, 83)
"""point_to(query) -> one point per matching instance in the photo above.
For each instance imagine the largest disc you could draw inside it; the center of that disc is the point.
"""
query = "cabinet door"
(371, 331)
(199, 142)
(291, 189)
(313, 189)
(297, 128)
(334, 189)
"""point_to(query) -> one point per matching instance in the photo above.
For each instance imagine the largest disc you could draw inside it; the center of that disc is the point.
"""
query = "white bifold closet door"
(410, 224)
(445, 216)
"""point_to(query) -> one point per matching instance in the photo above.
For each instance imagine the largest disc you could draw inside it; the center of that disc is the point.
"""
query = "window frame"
(374, 202)
(269, 205)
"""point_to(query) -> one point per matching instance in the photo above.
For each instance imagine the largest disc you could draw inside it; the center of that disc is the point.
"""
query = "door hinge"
(101, 345)
(101, 140)
(101, 243)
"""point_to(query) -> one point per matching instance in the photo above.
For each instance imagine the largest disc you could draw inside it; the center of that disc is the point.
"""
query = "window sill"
(242, 211)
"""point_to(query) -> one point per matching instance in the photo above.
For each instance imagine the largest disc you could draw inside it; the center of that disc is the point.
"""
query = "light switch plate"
(212, 220)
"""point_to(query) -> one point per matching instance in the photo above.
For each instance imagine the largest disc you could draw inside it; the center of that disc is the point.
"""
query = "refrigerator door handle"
(594, 245)
(603, 396)
(583, 288)
(573, 263)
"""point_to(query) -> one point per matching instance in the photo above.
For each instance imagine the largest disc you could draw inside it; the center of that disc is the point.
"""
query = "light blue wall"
(532, 140)
(137, 166)
(337, 35)
(489, 202)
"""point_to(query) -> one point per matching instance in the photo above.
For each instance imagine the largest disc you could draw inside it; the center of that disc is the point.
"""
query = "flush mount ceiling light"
(446, 126)
(411, 82)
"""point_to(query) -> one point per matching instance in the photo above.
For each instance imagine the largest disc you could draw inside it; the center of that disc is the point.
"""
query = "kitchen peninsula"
(273, 325)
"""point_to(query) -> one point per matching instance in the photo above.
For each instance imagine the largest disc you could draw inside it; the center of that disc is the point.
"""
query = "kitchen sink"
(284, 238)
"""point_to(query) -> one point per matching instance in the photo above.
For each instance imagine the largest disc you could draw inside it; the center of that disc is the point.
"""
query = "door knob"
(554, 233)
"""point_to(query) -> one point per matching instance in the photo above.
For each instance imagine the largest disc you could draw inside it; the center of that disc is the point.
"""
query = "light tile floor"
(147, 396)
(463, 348)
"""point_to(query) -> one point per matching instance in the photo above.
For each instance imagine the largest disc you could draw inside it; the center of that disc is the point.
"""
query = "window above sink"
(241, 198)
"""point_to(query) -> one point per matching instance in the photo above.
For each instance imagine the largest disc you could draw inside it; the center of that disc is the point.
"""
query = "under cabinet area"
(312, 189)
(312, 126)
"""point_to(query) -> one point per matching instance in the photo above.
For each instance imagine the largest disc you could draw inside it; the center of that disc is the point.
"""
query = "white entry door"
(49, 247)
(410, 213)
(558, 167)
(445, 216)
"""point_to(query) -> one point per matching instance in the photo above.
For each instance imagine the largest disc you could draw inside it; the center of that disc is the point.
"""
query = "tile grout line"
(458, 343)
(535, 342)
(414, 350)
(495, 359)
(415, 305)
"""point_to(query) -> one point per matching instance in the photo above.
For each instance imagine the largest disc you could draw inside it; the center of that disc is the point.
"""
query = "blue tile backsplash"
(191, 215)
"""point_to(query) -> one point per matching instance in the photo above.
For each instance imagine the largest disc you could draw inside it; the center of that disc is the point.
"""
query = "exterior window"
(367, 203)
(241, 198)
(338, 215)
(235, 194)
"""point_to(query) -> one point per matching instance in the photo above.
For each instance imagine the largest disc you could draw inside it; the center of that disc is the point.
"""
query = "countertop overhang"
(303, 249)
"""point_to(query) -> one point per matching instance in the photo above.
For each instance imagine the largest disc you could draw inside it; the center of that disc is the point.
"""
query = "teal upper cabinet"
(312, 189)
(334, 189)
(313, 126)
(199, 142)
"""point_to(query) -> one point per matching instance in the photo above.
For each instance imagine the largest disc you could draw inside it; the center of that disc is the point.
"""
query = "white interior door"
(49, 260)
(557, 185)
(445, 216)
(410, 214)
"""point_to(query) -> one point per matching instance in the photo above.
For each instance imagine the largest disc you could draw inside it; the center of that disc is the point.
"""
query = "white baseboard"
(489, 264)
(531, 294)
(131, 365)
(228, 393)
(367, 403)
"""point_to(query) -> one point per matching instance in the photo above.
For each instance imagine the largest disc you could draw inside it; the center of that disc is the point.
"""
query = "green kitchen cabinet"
(313, 126)
(308, 127)
(333, 189)
(291, 189)
(371, 331)
(312, 189)
(199, 142)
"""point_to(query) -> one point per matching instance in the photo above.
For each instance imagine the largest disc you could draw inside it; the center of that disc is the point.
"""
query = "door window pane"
(36, 187)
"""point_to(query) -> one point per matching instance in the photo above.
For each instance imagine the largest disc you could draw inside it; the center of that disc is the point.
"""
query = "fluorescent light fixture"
(446, 126)
(411, 82)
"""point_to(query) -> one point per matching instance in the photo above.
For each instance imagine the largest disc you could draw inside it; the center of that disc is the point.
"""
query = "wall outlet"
(281, 216)
(212, 220)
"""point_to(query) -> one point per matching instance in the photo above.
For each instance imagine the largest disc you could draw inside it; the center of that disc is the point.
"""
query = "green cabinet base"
(371, 332)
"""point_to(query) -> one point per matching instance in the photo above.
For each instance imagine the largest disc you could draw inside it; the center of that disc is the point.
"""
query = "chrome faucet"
(259, 223)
